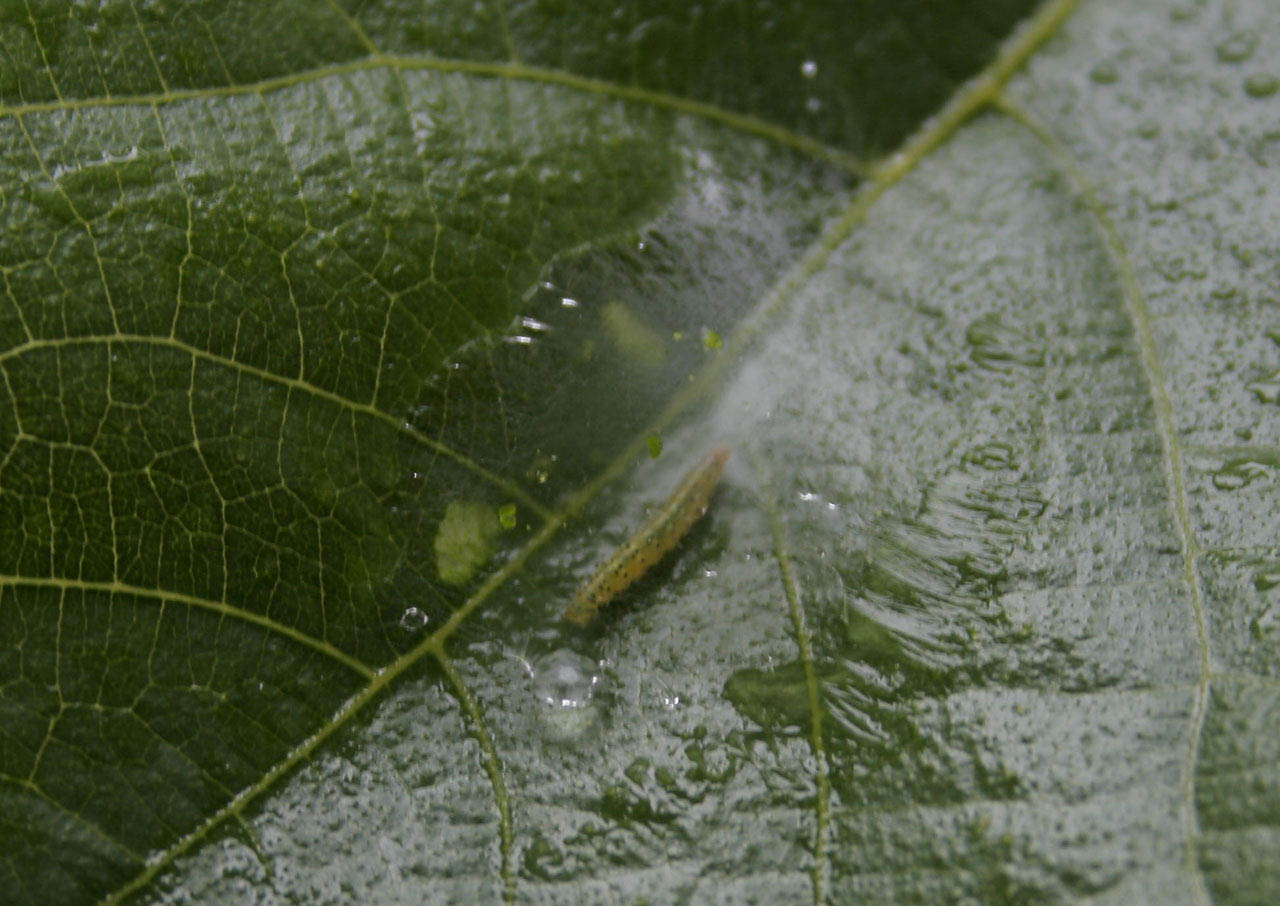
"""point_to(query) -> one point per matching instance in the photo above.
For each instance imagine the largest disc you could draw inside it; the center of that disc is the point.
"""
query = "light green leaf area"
(465, 540)
(984, 609)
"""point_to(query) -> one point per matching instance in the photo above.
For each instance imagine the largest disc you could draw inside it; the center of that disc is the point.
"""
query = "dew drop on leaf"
(565, 679)
(413, 619)
(565, 685)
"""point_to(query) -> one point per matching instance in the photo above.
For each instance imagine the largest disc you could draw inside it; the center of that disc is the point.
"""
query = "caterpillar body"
(656, 538)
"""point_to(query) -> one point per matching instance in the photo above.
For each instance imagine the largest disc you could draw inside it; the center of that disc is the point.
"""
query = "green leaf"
(984, 609)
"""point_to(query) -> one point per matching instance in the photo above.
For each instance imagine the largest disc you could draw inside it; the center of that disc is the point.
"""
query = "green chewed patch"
(507, 515)
(772, 698)
(635, 339)
(465, 540)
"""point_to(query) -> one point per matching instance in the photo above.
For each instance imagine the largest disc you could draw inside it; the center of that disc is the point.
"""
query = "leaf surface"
(981, 613)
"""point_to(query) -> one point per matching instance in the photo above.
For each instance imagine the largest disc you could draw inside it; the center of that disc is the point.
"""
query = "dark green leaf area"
(615, 330)
(174, 474)
(353, 250)
(67, 50)
(858, 75)
(129, 719)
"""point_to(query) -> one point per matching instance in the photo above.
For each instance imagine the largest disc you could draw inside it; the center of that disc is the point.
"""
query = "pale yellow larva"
(654, 541)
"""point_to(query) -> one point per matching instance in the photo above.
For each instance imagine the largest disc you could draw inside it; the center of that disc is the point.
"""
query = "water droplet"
(1266, 389)
(808, 496)
(813, 105)
(570, 303)
(1237, 47)
(809, 69)
(1104, 73)
(413, 620)
(565, 680)
(565, 686)
(1261, 85)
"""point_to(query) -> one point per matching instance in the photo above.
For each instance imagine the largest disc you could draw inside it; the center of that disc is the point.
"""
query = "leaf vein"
(220, 607)
(492, 767)
(1175, 469)
(293, 383)
(77, 818)
(740, 122)
(791, 589)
